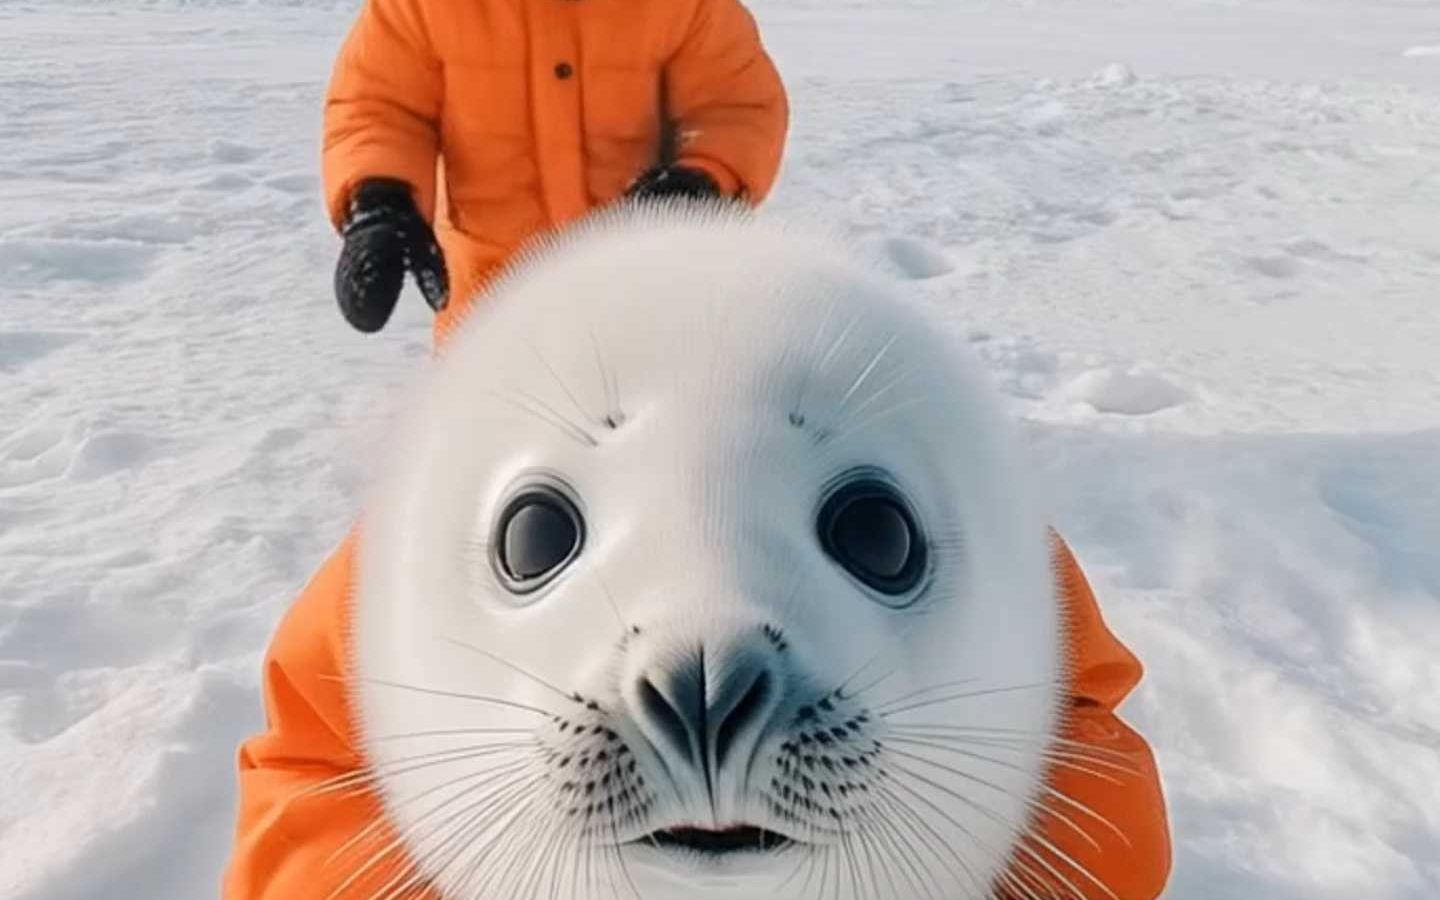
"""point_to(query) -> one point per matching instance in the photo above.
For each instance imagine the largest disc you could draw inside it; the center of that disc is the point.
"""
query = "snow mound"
(1113, 75)
(916, 259)
(1134, 393)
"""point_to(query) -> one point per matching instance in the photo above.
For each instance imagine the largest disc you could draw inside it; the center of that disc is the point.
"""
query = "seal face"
(703, 567)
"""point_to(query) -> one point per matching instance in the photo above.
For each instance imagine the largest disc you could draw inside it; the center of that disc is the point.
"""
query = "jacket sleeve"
(307, 827)
(726, 102)
(1105, 812)
(382, 109)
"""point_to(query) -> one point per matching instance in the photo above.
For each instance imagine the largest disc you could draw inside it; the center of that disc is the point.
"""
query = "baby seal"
(703, 567)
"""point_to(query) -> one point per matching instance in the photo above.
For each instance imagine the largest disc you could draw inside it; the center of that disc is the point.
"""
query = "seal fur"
(697, 381)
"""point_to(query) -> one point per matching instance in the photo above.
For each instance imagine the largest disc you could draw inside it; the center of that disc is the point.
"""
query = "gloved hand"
(385, 236)
(673, 181)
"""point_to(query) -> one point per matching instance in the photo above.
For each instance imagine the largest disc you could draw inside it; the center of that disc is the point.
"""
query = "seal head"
(703, 566)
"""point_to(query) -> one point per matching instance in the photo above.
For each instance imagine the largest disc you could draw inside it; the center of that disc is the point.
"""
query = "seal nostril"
(742, 713)
(665, 718)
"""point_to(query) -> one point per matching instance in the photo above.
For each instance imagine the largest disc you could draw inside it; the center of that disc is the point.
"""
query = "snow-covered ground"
(1197, 242)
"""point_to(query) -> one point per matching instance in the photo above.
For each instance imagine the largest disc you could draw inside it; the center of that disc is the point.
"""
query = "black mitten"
(385, 236)
(673, 181)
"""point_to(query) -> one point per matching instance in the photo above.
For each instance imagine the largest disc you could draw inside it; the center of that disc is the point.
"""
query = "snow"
(1194, 241)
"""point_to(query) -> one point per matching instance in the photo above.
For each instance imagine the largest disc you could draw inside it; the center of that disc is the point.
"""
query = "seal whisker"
(813, 859)
(990, 814)
(959, 773)
(460, 695)
(555, 376)
(944, 685)
(401, 884)
(877, 852)
(412, 834)
(528, 404)
(1055, 793)
(1014, 881)
(1062, 818)
(536, 864)
(938, 810)
(867, 421)
(851, 863)
(374, 772)
(879, 392)
(872, 685)
(608, 869)
(610, 383)
(570, 695)
(1066, 858)
(1060, 757)
(578, 847)
(861, 835)
(449, 732)
(879, 654)
(572, 853)
(980, 757)
(487, 818)
(499, 848)
(1092, 752)
(887, 846)
(610, 598)
(906, 815)
(888, 713)
(620, 858)
(866, 372)
(564, 843)
(459, 840)
(1043, 752)
(824, 872)
(408, 879)
(380, 820)
(823, 363)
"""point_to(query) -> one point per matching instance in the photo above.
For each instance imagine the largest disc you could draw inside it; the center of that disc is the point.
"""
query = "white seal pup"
(703, 567)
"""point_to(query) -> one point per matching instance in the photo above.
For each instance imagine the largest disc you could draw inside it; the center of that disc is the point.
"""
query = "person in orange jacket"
(487, 123)
(297, 841)
(536, 112)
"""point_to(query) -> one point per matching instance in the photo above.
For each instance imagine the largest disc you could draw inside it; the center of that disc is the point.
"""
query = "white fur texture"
(696, 380)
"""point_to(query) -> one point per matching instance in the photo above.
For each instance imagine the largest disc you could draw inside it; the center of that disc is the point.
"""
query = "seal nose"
(708, 705)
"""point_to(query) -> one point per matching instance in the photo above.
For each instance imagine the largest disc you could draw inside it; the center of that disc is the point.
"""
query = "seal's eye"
(867, 527)
(540, 532)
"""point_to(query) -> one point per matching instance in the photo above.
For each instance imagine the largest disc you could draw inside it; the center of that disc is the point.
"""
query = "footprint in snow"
(34, 455)
(1290, 262)
(915, 259)
(298, 183)
(1273, 266)
(30, 262)
(109, 452)
(227, 181)
(1124, 393)
(19, 349)
(231, 153)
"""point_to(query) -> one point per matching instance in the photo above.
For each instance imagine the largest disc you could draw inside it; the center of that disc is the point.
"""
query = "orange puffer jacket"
(1103, 813)
(544, 109)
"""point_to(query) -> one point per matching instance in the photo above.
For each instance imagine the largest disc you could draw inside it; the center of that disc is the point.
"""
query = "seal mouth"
(718, 842)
